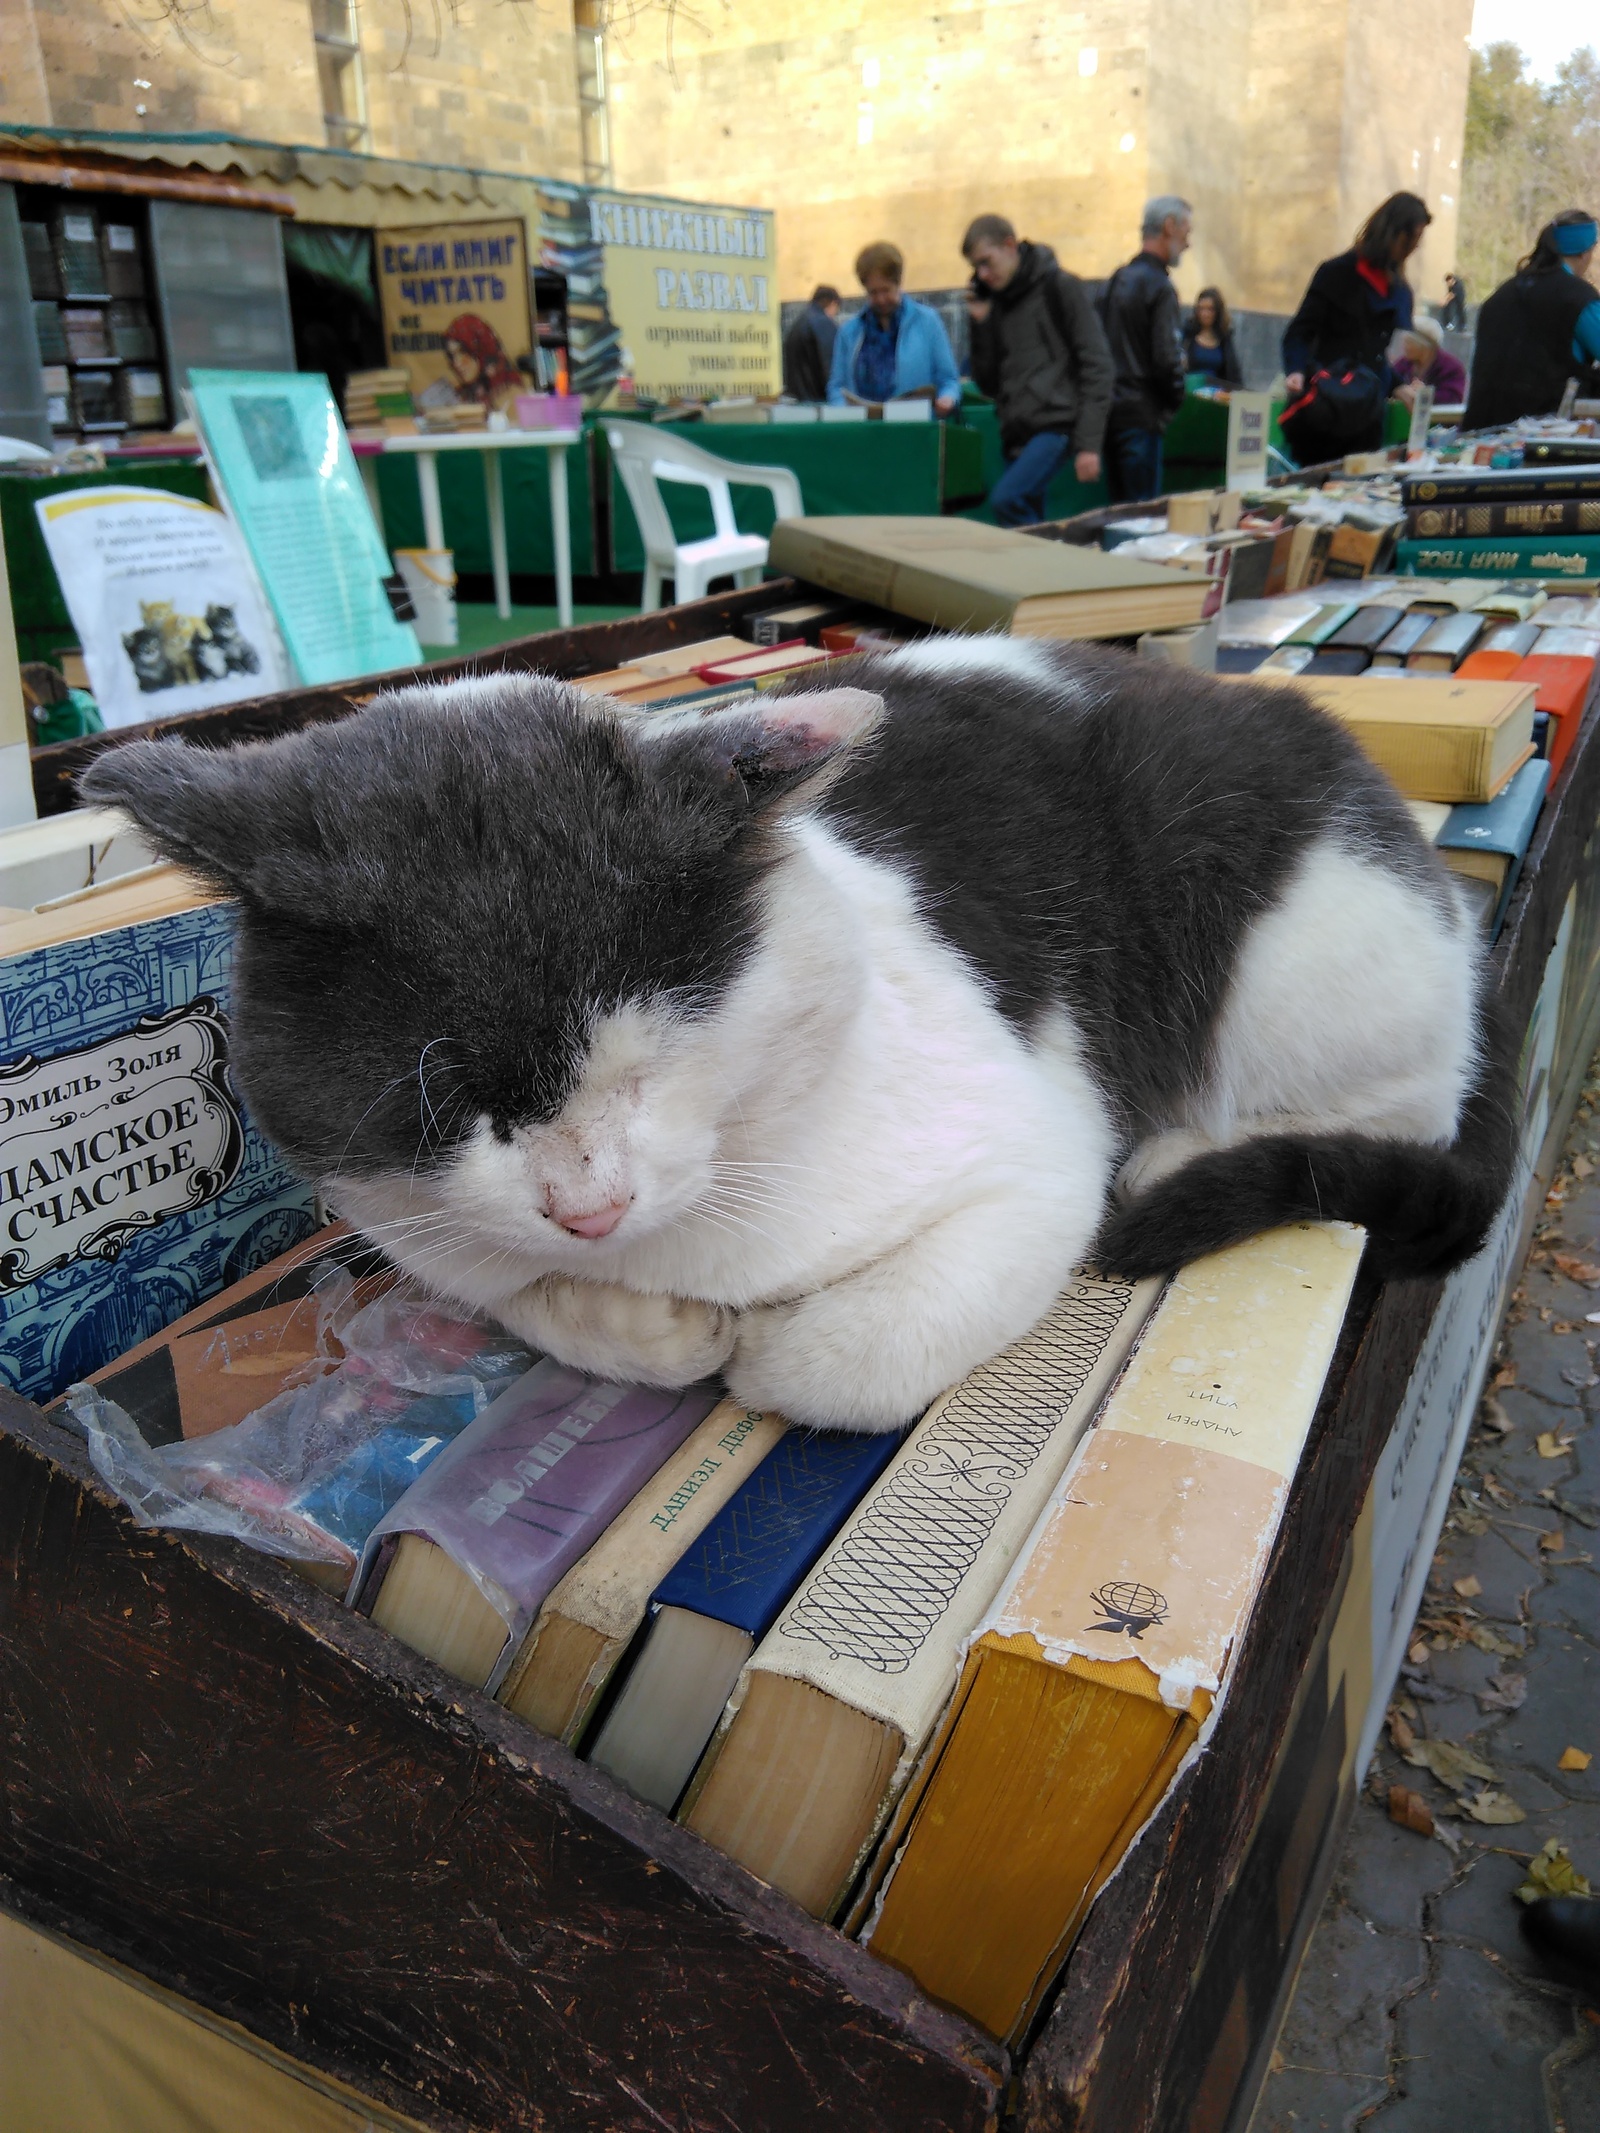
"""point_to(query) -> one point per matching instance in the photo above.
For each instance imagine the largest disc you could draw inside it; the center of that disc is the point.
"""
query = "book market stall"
(433, 1812)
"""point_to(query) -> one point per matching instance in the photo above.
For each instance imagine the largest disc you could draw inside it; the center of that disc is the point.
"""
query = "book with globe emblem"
(1100, 1662)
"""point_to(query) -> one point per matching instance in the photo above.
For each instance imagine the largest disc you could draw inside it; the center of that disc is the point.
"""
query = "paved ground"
(1419, 2009)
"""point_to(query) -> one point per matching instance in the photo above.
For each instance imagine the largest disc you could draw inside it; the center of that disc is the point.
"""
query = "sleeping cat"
(817, 1040)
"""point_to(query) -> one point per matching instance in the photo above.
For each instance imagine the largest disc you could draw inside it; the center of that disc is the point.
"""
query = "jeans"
(1018, 496)
(1133, 465)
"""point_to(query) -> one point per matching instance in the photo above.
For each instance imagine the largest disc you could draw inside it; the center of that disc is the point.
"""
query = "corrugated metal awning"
(56, 155)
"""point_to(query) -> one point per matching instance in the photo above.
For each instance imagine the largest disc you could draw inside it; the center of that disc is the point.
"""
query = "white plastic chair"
(645, 457)
(18, 448)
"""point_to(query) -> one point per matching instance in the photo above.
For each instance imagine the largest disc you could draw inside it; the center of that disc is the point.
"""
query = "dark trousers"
(1133, 465)
(1018, 496)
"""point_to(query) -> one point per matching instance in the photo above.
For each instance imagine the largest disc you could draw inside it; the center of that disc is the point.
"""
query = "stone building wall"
(1283, 122)
(483, 85)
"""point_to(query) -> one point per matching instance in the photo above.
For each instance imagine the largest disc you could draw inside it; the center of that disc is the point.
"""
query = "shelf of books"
(751, 1777)
(91, 312)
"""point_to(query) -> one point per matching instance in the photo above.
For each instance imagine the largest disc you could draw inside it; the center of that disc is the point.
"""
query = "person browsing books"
(1144, 327)
(808, 346)
(1539, 329)
(1040, 353)
(895, 348)
(1427, 361)
(1336, 347)
(1208, 350)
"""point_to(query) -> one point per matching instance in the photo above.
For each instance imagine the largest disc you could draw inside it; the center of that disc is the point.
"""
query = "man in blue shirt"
(896, 347)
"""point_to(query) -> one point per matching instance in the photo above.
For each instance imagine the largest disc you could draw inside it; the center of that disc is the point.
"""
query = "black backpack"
(1340, 405)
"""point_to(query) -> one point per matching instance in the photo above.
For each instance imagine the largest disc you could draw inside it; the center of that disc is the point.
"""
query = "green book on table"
(1565, 555)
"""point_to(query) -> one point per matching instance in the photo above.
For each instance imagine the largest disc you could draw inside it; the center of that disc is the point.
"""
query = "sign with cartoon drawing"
(456, 310)
(164, 601)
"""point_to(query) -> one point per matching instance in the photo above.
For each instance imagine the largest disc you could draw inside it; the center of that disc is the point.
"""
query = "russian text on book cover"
(106, 1141)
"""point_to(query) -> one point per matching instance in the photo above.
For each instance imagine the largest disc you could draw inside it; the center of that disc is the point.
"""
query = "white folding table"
(491, 443)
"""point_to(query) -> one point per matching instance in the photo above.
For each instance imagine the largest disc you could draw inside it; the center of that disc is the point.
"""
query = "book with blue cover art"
(133, 1185)
(720, 1599)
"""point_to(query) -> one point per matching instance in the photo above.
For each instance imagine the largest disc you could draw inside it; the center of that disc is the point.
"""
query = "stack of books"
(1538, 520)
(374, 397)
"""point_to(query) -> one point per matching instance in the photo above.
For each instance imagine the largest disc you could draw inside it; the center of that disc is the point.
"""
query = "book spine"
(1526, 516)
(1570, 556)
(1493, 488)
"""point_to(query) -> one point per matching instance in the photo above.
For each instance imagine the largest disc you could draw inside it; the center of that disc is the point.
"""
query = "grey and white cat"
(817, 1040)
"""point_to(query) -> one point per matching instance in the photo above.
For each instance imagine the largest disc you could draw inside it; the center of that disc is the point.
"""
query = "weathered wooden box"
(216, 1776)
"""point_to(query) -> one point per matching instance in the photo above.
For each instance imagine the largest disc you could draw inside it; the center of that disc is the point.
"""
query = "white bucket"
(430, 575)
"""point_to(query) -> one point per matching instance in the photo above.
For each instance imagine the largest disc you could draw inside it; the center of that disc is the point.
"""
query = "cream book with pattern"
(842, 1695)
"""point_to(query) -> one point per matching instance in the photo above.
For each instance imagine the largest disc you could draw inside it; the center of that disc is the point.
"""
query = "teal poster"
(281, 458)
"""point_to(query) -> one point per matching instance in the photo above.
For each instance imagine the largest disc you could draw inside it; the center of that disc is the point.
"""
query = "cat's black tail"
(1425, 1210)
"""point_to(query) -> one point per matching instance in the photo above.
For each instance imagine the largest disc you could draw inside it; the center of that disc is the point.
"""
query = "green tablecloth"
(40, 612)
(525, 479)
(846, 469)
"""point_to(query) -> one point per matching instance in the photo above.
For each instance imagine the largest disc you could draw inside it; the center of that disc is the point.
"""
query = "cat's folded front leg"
(618, 1333)
(871, 1351)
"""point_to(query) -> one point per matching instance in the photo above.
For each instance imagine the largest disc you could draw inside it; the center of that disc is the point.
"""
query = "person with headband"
(1539, 329)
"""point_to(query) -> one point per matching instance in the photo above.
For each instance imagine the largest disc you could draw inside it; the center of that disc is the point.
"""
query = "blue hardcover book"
(720, 1599)
(133, 1186)
(1500, 830)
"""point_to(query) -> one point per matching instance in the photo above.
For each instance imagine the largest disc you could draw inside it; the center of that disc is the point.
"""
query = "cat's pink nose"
(599, 1224)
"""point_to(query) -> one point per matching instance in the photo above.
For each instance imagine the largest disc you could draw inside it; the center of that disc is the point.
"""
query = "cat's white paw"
(810, 1363)
(618, 1333)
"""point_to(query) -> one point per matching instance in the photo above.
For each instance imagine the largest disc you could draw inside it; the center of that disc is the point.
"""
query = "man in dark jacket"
(1145, 329)
(1039, 352)
(808, 346)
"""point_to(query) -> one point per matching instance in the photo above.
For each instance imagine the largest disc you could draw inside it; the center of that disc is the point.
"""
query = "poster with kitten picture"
(164, 601)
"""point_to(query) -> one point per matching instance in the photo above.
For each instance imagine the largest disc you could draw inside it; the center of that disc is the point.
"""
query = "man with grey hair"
(1145, 329)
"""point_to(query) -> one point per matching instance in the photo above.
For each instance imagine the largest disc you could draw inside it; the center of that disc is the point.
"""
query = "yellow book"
(1438, 737)
(1100, 1662)
(963, 575)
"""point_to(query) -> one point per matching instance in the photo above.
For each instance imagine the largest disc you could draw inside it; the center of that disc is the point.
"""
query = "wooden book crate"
(217, 1776)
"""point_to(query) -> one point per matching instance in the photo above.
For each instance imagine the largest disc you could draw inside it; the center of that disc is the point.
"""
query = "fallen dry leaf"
(1552, 1873)
(1551, 1446)
(1583, 1271)
(1574, 1759)
(1468, 1587)
(1504, 1376)
(1450, 1763)
(1495, 1487)
(1493, 1807)
(1553, 1542)
(1401, 1735)
(1490, 1640)
(1418, 1654)
(1507, 1692)
(1582, 1167)
(1410, 1810)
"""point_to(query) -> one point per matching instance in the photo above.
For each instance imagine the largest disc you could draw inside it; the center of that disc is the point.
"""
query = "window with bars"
(337, 39)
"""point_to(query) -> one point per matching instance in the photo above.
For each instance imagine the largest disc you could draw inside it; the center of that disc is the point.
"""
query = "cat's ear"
(787, 749)
(227, 815)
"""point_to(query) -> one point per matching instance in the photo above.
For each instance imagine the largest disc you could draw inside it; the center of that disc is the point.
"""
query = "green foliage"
(1530, 151)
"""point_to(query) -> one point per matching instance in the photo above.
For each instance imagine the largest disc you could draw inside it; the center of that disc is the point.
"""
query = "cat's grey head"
(480, 926)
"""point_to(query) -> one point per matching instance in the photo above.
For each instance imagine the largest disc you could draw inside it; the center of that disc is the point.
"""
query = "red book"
(1491, 666)
(1564, 684)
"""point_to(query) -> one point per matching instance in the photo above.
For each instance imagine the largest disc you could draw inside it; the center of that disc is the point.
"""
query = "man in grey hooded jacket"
(1039, 351)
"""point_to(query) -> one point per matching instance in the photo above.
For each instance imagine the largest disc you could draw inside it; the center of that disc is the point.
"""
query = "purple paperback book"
(533, 1483)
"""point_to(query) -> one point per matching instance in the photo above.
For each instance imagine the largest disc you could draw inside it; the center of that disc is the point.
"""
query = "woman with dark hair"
(1336, 347)
(1208, 350)
(1539, 329)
